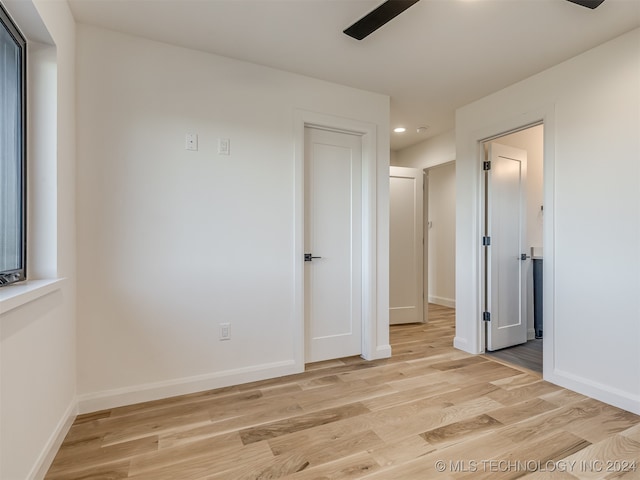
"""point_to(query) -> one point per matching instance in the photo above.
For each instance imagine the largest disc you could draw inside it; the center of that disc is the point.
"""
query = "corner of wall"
(50, 450)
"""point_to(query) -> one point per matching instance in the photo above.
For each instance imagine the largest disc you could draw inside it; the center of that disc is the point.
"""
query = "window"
(13, 183)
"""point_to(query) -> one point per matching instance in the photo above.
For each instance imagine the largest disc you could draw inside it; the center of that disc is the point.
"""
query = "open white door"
(406, 251)
(333, 237)
(505, 224)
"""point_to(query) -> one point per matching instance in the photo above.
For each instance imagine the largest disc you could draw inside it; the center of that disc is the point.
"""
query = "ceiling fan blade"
(588, 3)
(378, 17)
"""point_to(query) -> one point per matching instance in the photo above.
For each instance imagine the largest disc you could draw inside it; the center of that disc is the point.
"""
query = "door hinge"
(486, 165)
(486, 316)
(486, 241)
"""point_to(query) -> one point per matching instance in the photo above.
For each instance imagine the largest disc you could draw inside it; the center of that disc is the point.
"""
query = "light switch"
(224, 146)
(191, 142)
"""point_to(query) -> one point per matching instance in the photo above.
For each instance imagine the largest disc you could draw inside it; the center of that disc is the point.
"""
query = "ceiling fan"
(390, 9)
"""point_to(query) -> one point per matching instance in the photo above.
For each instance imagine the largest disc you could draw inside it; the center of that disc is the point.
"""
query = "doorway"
(373, 340)
(422, 241)
(332, 244)
(440, 234)
(512, 234)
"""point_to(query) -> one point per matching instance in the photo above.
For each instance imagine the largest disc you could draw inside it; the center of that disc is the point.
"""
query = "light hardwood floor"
(394, 419)
(527, 355)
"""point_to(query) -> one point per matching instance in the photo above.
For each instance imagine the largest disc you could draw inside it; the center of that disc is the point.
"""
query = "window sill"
(20, 294)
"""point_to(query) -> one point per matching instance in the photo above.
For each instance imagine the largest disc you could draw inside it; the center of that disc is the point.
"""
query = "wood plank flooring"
(430, 412)
(527, 355)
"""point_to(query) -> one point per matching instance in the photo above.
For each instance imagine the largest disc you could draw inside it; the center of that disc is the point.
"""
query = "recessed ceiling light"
(400, 130)
(421, 129)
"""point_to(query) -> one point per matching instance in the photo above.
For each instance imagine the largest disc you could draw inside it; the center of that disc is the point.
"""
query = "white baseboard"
(92, 402)
(531, 334)
(445, 302)
(382, 351)
(462, 344)
(45, 459)
(604, 393)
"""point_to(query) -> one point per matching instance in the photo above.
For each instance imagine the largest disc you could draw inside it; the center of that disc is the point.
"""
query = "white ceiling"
(435, 57)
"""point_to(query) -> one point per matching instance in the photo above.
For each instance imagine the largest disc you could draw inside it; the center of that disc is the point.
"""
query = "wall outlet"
(225, 331)
(191, 142)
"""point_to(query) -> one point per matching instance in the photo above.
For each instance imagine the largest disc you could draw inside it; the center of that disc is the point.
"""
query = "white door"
(333, 234)
(406, 292)
(506, 224)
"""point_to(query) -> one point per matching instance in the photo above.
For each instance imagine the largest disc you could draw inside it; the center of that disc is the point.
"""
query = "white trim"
(445, 302)
(368, 133)
(382, 351)
(118, 397)
(461, 343)
(14, 296)
(45, 459)
(604, 393)
(548, 242)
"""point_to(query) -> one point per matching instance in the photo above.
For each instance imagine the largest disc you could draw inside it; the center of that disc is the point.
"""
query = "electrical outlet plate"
(225, 331)
(191, 142)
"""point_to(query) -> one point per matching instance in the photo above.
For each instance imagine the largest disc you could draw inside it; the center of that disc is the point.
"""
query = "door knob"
(524, 256)
(308, 257)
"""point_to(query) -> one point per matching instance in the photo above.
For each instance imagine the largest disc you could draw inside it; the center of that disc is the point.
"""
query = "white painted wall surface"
(174, 242)
(38, 340)
(590, 105)
(429, 153)
(442, 234)
(393, 155)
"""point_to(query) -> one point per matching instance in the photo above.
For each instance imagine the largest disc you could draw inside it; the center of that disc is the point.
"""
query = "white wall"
(442, 234)
(37, 338)
(429, 153)
(532, 141)
(171, 242)
(590, 106)
(393, 156)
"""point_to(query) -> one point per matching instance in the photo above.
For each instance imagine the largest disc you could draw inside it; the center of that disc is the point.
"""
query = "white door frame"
(545, 117)
(367, 132)
(425, 243)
